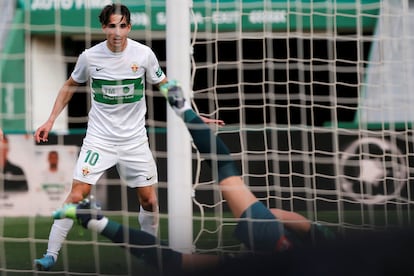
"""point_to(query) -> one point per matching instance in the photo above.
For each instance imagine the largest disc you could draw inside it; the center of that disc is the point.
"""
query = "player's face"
(53, 158)
(116, 31)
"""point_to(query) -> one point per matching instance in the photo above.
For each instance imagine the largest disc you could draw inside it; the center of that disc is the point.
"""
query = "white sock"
(57, 236)
(148, 221)
(98, 225)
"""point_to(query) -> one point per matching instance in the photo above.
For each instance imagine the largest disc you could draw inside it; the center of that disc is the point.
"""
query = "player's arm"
(212, 121)
(164, 83)
(62, 100)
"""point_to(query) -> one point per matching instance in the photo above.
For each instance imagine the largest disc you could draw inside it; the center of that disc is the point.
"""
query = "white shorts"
(134, 162)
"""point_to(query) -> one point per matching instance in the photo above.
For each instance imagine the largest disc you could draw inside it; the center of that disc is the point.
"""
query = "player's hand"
(213, 121)
(42, 133)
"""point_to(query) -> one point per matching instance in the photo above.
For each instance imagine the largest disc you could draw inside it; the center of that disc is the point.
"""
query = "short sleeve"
(154, 73)
(81, 72)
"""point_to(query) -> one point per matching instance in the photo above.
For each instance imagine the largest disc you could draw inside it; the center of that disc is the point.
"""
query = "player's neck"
(117, 49)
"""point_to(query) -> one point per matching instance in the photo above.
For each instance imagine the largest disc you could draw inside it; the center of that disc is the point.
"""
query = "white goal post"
(179, 184)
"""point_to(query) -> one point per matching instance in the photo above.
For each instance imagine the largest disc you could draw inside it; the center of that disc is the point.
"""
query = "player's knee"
(149, 203)
(147, 198)
(74, 197)
(79, 192)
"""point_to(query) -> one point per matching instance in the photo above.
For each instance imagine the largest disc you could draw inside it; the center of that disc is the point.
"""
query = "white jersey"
(117, 82)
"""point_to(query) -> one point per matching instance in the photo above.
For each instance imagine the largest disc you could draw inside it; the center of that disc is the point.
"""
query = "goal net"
(315, 96)
(316, 99)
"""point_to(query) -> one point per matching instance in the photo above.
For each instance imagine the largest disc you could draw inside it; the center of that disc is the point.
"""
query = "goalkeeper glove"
(173, 92)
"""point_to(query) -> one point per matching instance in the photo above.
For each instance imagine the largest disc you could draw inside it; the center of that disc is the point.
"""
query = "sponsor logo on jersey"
(118, 91)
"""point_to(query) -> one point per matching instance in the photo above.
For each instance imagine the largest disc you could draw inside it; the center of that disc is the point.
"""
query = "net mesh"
(293, 80)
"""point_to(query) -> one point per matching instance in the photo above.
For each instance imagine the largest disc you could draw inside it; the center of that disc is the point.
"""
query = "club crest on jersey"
(134, 67)
(85, 171)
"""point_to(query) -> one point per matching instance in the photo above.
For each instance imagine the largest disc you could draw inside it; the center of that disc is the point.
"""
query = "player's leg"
(147, 246)
(309, 232)
(137, 168)
(292, 220)
(61, 227)
(258, 228)
(148, 213)
(94, 159)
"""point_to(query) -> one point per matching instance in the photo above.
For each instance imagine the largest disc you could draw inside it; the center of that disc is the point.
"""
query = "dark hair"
(53, 152)
(109, 10)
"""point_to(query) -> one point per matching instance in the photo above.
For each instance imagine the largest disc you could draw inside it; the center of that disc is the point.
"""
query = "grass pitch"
(86, 253)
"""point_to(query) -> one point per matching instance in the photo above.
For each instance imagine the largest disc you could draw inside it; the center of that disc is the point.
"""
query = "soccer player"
(117, 70)
(261, 229)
